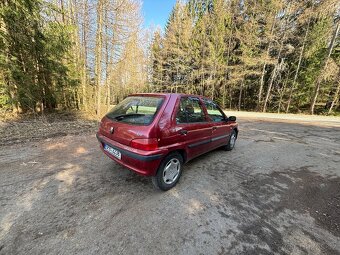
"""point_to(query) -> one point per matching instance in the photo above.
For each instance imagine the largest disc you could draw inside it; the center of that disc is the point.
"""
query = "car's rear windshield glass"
(137, 110)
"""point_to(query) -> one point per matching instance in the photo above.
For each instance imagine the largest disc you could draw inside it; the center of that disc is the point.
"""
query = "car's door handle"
(214, 128)
(183, 132)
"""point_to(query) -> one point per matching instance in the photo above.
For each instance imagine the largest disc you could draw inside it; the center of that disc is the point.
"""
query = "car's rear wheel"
(232, 141)
(169, 172)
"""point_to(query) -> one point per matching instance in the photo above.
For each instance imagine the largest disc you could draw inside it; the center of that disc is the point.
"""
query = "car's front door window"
(214, 112)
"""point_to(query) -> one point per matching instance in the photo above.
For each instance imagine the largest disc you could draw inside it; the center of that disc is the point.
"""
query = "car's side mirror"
(232, 118)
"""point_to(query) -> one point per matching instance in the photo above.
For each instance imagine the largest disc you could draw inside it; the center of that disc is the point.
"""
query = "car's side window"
(213, 111)
(190, 111)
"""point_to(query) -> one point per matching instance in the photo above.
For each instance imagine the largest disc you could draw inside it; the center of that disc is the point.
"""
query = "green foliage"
(313, 62)
(5, 100)
(236, 52)
(38, 70)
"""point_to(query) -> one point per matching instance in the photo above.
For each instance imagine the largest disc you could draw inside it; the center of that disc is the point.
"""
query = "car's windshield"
(138, 110)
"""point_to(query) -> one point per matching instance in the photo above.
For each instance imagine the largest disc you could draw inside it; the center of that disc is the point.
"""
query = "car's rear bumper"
(142, 162)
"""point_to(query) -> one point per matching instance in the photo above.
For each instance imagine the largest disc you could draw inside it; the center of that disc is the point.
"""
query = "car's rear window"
(137, 110)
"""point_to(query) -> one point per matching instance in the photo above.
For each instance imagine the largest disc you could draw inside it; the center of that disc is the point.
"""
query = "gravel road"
(277, 192)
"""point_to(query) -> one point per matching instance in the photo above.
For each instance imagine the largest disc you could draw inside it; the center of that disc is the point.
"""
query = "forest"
(266, 55)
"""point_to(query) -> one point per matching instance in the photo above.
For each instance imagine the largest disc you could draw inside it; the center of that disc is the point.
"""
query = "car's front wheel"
(232, 141)
(169, 172)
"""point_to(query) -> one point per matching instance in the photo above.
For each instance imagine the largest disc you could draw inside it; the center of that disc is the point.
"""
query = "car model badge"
(112, 130)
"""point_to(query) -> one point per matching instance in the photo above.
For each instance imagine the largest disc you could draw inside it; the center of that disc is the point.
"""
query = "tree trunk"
(240, 96)
(77, 50)
(202, 80)
(269, 88)
(85, 26)
(336, 95)
(76, 98)
(230, 96)
(98, 54)
(298, 66)
(62, 11)
(319, 79)
(273, 76)
(277, 61)
(281, 95)
(259, 97)
(107, 85)
(227, 65)
(213, 83)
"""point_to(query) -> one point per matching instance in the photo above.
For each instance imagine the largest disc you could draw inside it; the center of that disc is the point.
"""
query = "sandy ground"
(277, 192)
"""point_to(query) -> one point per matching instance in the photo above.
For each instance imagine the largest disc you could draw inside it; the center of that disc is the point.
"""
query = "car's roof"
(168, 94)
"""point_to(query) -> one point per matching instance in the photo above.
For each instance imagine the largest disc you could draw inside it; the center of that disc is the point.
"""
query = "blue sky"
(156, 12)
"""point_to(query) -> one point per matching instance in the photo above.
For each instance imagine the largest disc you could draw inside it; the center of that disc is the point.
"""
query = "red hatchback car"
(155, 134)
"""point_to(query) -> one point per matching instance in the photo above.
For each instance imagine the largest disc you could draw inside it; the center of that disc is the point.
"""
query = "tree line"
(69, 54)
(276, 55)
(272, 55)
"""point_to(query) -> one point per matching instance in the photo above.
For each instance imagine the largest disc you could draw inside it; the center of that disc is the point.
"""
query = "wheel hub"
(171, 171)
(232, 140)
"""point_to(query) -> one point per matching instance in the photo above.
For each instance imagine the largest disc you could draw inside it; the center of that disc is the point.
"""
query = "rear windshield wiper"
(123, 116)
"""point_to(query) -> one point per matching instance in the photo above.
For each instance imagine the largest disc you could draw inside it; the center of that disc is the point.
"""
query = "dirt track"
(277, 192)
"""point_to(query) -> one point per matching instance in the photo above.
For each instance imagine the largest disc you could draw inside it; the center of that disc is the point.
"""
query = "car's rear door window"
(214, 112)
(137, 110)
(190, 111)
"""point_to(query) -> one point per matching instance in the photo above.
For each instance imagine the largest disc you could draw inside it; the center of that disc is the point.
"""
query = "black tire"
(231, 144)
(158, 180)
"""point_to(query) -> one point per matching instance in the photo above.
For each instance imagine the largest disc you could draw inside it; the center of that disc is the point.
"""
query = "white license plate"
(112, 151)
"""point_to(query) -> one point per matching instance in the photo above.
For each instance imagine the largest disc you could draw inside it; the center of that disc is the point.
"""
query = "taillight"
(144, 144)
